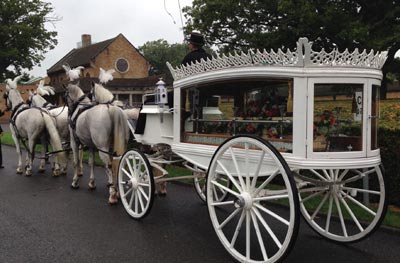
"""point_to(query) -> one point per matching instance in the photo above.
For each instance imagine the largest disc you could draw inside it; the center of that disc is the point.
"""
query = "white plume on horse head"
(72, 73)
(43, 90)
(12, 84)
(102, 94)
(106, 75)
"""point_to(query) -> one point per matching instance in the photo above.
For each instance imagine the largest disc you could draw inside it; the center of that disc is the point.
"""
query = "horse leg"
(92, 183)
(18, 150)
(80, 164)
(31, 156)
(75, 179)
(113, 198)
(42, 165)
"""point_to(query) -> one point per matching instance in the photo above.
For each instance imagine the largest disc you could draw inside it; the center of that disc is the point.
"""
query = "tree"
(23, 36)
(160, 52)
(243, 24)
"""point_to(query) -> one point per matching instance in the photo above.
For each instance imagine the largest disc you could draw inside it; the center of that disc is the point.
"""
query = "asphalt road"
(43, 220)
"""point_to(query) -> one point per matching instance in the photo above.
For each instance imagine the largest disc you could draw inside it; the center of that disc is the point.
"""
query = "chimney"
(86, 40)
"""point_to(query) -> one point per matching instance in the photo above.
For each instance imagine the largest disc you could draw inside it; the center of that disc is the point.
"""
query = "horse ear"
(63, 86)
(93, 84)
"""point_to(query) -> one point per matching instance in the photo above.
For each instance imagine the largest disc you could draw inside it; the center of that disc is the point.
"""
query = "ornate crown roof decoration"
(303, 56)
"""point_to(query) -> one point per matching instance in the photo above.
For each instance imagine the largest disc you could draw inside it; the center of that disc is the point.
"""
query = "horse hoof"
(28, 173)
(41, 170)
(75, 186)
(19, 171)
(92, 186)
(112, 200)
(80, 175)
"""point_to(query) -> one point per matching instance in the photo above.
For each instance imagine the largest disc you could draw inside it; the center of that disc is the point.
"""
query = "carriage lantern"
(161, 93)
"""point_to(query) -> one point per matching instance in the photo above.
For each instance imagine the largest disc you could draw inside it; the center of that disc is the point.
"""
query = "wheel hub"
(134, 183)
(244, 201)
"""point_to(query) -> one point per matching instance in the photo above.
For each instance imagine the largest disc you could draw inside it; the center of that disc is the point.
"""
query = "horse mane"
(102, 94)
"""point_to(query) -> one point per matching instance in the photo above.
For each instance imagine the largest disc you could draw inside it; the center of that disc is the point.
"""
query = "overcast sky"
(138, 20)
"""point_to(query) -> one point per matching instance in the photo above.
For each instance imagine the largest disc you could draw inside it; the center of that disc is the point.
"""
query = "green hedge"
(389, 144)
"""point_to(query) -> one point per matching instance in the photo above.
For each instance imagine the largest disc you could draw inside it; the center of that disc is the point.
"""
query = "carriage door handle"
(373, 117)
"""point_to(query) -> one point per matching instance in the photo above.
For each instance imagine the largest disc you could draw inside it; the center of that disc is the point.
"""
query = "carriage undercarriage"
(260, 170)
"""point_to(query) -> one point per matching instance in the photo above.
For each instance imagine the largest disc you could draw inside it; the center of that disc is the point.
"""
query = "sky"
(138, 20)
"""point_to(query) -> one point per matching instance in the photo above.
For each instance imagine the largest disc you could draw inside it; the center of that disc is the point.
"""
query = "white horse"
(30, 124)
(100, 127)
(60, 114)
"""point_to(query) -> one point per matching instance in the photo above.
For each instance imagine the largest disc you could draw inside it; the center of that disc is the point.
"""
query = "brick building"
(131, 77)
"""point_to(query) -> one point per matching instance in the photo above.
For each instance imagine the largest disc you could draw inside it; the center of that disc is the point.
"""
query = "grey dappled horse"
(60, 114)
(98, 127)
(30, 124)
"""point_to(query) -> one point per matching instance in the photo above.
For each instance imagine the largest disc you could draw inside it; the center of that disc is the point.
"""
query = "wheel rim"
(136, 184)
(259, 220)
(334, 202)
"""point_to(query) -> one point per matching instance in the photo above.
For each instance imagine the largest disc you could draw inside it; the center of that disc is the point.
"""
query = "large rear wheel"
(344, 205)
(259, 220)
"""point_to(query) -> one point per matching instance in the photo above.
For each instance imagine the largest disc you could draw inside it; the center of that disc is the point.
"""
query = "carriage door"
(373, 117)
(337, 118)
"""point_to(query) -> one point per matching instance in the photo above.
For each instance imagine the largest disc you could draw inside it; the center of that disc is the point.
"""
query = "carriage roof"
(280, 61)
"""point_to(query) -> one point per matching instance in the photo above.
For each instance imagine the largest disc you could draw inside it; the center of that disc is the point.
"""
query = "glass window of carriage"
(217, 111)
(338, 117)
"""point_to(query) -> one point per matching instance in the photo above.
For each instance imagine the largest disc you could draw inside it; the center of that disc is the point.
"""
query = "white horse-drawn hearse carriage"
(269, 135)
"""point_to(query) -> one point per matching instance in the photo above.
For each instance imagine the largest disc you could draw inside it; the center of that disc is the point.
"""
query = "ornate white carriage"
(274, 134)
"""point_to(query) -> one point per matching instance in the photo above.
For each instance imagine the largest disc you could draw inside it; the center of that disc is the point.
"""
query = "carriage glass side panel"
(375, 113)
(338, 117)
(262, 107)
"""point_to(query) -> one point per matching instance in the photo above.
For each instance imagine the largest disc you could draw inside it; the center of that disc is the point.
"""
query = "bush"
(389, 144)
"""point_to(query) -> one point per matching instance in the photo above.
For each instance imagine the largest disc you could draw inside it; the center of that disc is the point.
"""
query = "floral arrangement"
(325, 123)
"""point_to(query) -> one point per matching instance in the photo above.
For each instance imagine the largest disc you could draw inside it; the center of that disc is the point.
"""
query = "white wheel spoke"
(237, 168)
(140, 200)
(265, 183)
(238, 227)
(303, 200)
(266, 226)
(139, 166)
(328, 217)
(269, 212)
(246, 147)
(360, 204)
(130, 167)
(223, 203)
(319, 175)
(271, 197)
(133, 166)
(319, 206)
(257, 171)
(313, 189)
(327, 175)
(229, 218)
(343, 174)
(352, 215)
(235, 183)
(225, 188)
(132, 197)
(339, 210)
(248, 241)
(362, 190)
(126, 172)
(215, 193)
(144, 185)
(144, 194)
(259, 237)
(353, 179)
(127, 192)
(136, 202)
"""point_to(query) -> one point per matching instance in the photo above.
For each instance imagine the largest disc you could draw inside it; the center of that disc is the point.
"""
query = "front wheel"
(259, 220)
(136, 184)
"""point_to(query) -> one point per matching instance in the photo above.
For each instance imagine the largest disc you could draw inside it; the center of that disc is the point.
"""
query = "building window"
(122, 65)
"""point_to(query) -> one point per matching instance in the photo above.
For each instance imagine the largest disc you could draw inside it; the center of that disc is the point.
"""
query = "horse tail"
(55, 140)
(120, 131)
